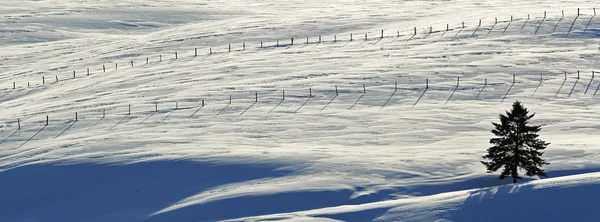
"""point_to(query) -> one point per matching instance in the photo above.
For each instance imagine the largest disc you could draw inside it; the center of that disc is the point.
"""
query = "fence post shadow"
(477, 28)
(251, 105)
(589, 22)
(561, 85)
(454, 91)
(493, 26)
(524, 24)
(461, 29)
(65, 130)
(6, 93)
(572, 24)
(223, 109)
(170, 113)
(30, 138)
(510, 88)
(480, 91)
(574, 85)
(119, 122)
(414, 34)
(559, 20)
(305, 102)
(336, 95)
(590, 83)
(361, 96)
(95, 124)
(281, 101)
(420, 97)
(5, 139)
(393, 93)
(540, 25)
(538, 86)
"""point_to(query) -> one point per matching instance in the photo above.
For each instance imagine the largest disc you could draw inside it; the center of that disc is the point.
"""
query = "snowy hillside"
(383, 129)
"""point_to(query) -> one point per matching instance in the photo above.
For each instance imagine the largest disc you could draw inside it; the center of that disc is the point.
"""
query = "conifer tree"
(516, 146)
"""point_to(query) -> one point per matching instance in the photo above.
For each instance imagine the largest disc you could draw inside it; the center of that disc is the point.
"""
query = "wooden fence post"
(514, 78)
(415, 31)
(19, 124)
(43, 80)
(395, 85)
(336, 91)
(131, 63)
(210, 51)
(103, 113)
(277, 42)
(56, 78)
(147, 60)
(577, 74)
(244, 46)
(365, 36)
(76, 118)
(319, 39)
(578, 12)
(229, 48)
(292, 41)
(14, 85)
(426, 83)
(88, 71)
(255, 97)
(175, 55)
(309, 92)
(202, 102)
(447, 27)
(27, 84)
(364, 89)
(73, 74)
(116, 66)
(156, 107)
(176, 105)
(103, 68)
(382, 34)
(129, 110)
(351, 37)
(261, 44)
(334, 38)
(160, 58)
(229, 99)
(47, 120)
(195, 52)
(283, 95)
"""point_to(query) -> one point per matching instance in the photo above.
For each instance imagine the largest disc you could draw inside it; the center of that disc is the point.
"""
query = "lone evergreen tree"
(516, 145)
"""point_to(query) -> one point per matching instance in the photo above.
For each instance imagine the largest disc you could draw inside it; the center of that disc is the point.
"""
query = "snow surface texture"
(255, 152)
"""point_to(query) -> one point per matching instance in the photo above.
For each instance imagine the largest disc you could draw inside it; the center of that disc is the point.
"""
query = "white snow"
(410, 154)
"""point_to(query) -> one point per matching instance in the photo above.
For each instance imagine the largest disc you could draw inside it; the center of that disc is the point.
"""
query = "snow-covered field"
(273, 141)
